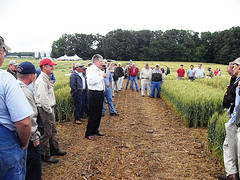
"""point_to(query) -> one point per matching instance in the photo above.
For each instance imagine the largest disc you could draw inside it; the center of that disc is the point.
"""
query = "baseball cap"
(84, 68)
(181, 65)
(46, 61)
(90, 63)
(78, 65)
(146, 64)
(157, 65)
(13, 62)
(119, 63)
(2, 44)
(26, 68)
(236, 61)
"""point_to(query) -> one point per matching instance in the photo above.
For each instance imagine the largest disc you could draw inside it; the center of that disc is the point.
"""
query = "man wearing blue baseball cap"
(25, 76)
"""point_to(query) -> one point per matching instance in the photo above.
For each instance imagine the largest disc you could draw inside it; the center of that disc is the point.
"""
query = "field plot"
(147, 141)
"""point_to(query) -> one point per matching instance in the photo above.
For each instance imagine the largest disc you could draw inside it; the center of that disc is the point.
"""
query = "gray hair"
(21, 76)
(96, 57)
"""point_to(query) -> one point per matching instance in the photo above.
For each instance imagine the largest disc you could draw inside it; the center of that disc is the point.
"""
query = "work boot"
(59, 153)
(50, 160)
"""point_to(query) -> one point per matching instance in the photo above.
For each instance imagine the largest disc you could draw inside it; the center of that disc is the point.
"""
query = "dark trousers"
(95, 100)
(34, 164)
(79, 101)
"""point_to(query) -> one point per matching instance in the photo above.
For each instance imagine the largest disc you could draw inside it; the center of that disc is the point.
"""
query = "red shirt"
(181, 72)
(133, 71)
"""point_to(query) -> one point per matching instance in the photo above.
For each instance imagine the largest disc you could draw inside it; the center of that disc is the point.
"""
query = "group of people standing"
(151, 79)
(89, 88)
(27, 119)
(195, 73)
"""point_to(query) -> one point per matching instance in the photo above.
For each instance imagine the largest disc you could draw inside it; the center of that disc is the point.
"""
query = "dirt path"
(147, 141)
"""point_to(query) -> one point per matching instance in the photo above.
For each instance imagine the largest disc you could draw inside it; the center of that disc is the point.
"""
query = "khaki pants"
(48, 141)
(120, 81)
(230, 149)
(144, 83)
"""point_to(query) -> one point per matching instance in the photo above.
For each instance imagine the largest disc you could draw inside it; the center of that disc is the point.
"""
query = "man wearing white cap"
(12, 69)
(157, 80)
(78, 92)
(231, 143)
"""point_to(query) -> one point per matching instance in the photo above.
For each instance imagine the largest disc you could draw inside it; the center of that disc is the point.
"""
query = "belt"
(96, 90)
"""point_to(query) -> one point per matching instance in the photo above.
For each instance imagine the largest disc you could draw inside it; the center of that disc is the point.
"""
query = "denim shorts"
(12, 157)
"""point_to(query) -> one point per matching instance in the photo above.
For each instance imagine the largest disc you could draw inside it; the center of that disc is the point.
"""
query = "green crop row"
(216, 134)
(194, 102)
(64, 108)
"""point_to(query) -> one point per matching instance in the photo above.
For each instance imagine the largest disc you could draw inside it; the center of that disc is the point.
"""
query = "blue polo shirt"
(190, 72)
(13, 103)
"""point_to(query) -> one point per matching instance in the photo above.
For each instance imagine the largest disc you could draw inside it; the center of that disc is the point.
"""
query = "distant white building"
(36, 55)
(47, 54)
(42, 54)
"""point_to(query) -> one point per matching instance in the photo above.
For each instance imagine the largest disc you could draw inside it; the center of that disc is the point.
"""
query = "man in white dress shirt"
(96, 87)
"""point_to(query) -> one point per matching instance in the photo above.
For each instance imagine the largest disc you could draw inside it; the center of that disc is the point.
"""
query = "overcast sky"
(33, 25)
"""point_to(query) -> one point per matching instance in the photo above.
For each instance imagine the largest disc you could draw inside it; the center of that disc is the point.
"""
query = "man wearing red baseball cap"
(46, 61)
(45, 99)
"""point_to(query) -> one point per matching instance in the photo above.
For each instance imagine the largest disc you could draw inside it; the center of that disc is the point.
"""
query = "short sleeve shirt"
(190, 72)
(14, 106)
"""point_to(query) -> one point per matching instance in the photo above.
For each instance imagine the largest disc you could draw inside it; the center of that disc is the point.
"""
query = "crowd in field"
(27, 119)
(197, 73)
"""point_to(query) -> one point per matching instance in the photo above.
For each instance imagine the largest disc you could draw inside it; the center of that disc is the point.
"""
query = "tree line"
(171, 45)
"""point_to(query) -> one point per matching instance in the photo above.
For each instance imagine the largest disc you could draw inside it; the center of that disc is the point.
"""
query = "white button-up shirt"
(94, 78)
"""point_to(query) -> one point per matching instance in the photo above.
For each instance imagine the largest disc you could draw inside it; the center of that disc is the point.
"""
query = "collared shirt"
(35, 134)
(94, 78)
(83, 79)
(190, 72)
(108, 79)
(146, 73)
(237, 101)
(199, 72)
(44, 94)
(13, 73)
(14, 106)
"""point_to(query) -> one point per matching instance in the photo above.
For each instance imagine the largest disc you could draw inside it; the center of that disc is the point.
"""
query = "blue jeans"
(135, 81)
(108, 95)
(128, 79)
(34, 163)
(12, 157)
(155, 85)
(79, 101)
